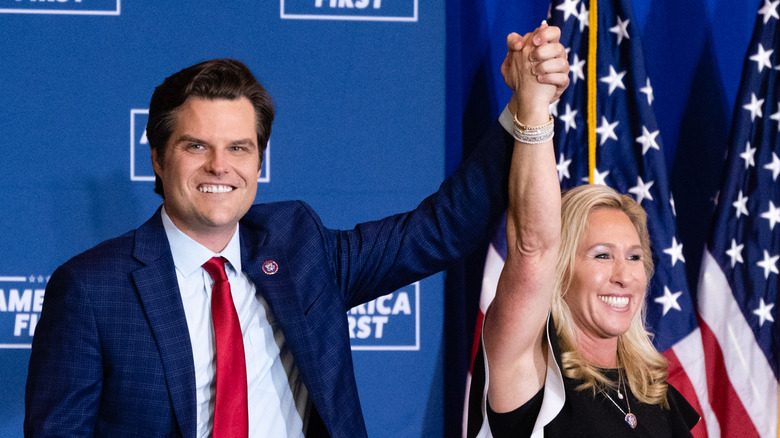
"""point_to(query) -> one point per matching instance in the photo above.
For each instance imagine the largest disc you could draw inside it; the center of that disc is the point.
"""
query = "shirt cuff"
(507, 120)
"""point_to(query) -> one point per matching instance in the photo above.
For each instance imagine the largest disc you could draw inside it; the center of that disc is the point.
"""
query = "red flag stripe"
(679, 377)
(741, 385)
(725, 402)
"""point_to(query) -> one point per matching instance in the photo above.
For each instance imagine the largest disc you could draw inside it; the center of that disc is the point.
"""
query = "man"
(126, 345)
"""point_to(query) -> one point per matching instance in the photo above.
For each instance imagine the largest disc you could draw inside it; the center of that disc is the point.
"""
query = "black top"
(584, 415)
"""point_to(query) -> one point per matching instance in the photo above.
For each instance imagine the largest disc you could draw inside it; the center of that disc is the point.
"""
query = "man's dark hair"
(214, 79)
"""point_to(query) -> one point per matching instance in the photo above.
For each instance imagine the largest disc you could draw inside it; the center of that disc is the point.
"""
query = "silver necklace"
(629, 417)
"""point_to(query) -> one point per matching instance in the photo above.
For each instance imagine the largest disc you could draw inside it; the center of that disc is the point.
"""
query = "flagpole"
(593, 23)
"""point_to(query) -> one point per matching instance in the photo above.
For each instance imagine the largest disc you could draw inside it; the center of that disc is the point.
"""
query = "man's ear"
(155, 162)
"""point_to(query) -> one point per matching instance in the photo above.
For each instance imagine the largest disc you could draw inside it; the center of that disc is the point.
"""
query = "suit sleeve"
(65, 373)
(376, 258)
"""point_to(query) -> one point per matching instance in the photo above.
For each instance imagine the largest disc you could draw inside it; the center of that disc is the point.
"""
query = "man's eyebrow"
(244, 142)
(191, 139)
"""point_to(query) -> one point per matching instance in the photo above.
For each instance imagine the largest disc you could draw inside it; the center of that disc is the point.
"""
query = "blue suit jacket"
(112, 354)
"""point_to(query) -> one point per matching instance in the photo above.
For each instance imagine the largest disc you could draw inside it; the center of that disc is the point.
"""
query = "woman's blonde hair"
(645, 368)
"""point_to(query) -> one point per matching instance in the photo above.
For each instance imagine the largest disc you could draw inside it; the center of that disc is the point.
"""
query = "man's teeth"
(614, 301)
(215, 189)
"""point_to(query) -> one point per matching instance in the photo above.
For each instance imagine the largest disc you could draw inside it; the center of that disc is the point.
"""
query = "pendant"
(631, 420)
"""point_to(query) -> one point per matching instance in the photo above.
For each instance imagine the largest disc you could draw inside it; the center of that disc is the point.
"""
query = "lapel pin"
(270, 267)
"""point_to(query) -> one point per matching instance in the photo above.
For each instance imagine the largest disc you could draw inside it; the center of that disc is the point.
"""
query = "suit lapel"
(158, 291)
(268, 268)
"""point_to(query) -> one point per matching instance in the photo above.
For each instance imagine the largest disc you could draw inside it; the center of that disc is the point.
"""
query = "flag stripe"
(724, 401)
(687, 372)
(733, 356)
(679, 379)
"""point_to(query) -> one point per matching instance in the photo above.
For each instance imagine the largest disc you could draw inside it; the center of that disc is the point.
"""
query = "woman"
(584, 260)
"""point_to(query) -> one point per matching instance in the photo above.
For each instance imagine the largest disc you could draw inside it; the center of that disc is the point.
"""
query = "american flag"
(619, 144)
(738, 285)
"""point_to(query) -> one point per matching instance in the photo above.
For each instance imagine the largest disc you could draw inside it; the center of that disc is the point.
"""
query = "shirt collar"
(189, 255)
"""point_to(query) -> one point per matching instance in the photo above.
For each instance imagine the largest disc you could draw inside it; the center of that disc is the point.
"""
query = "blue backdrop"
(376, 102)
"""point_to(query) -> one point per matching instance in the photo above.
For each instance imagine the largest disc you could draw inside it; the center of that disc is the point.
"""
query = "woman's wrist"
(534, 134)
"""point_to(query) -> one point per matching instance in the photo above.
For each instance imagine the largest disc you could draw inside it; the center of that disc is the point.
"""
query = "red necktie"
(231, 417)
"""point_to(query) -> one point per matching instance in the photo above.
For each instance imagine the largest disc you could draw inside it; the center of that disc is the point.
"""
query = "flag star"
(577, 69)
(554, 108)
(671, 202)
(641, 190)
(584, 17)
(741, 205)
(675, 251)
(563, 168)
(669, 300)
(621, 30)
(754, 107)
(774, 166)
(769, 10)
(776, 116)
(773, 214)
(32, 279)
(600, 177)
(648, 90)
(569, 8)
(735, 252)
(568, 118)
(764, 312)
(606, 130)
(615, 80)
(647, 140)
(762, 58)
(749, 156)
(768, 264)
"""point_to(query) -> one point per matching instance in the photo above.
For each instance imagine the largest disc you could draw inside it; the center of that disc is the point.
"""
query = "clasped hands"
(537, 70)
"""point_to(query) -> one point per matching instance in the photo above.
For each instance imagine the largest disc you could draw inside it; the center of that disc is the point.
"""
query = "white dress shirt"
(278, 400)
